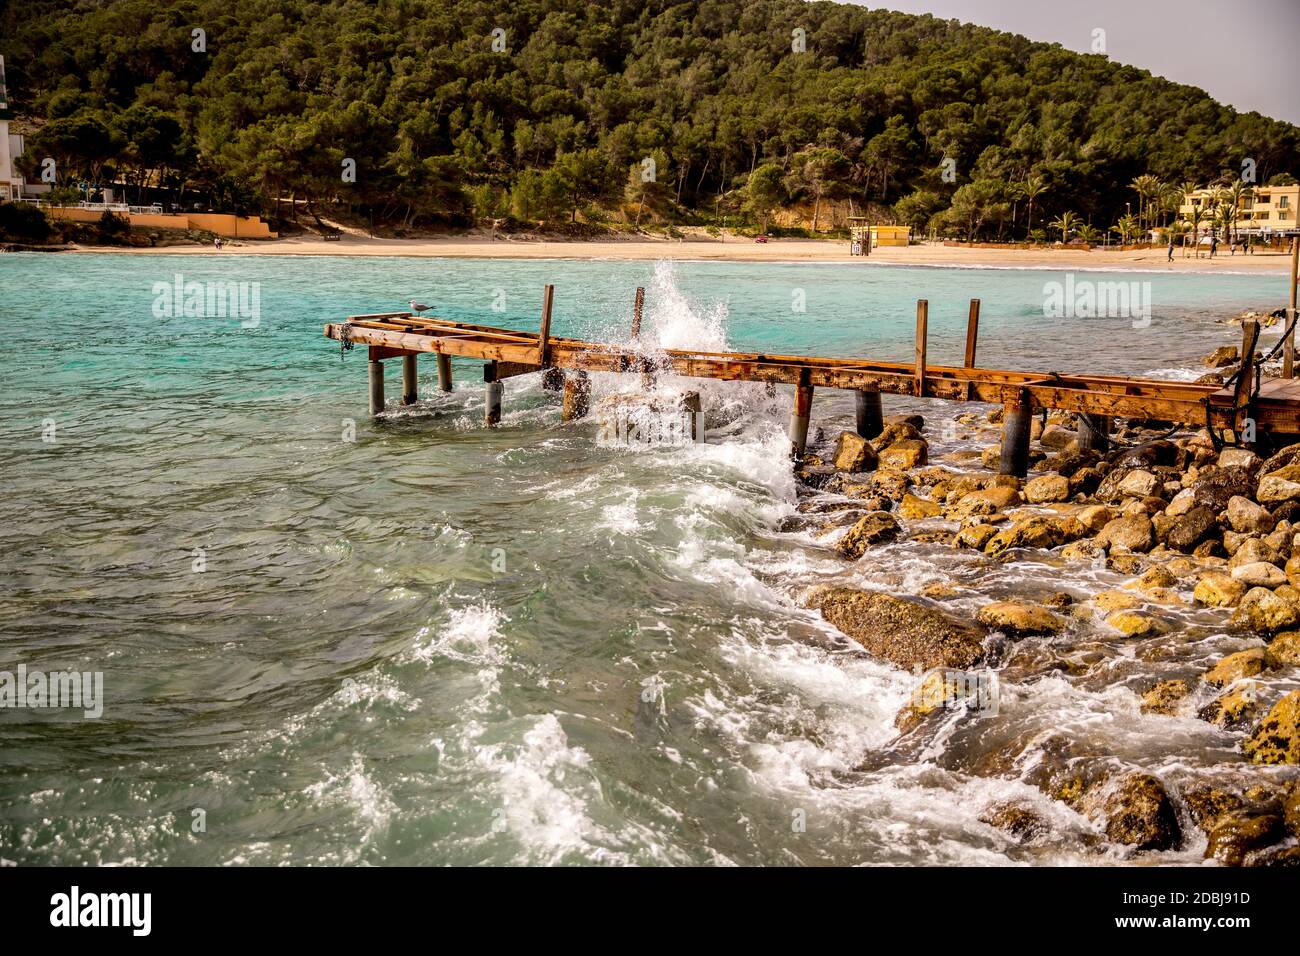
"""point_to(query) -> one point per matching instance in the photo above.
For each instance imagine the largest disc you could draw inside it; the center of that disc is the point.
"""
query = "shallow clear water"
(440, 644)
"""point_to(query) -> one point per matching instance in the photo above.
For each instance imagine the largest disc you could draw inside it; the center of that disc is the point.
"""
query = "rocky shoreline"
(1192, 526)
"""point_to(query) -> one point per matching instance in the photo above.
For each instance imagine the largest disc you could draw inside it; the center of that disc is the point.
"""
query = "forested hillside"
(558, 125)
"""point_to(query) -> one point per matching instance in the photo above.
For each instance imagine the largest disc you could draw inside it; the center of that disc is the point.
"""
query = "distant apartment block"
(1265, 210)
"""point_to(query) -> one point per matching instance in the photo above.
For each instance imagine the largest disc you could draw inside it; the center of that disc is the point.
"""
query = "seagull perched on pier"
(418, 307)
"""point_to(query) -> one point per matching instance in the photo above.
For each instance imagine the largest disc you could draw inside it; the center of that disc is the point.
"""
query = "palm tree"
(1238, 194)
(1225, 213)
(1188, 187)
(1147, 187)
(1090, 234)
(1067, 222)
(1126, 227)
(1195, 219)
(1033, 188)
(1171, 198)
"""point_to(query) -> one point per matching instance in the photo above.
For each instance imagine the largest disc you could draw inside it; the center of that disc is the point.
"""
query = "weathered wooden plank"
(519, 353)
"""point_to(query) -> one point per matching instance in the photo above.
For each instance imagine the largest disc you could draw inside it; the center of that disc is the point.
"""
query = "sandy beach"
(740, 249)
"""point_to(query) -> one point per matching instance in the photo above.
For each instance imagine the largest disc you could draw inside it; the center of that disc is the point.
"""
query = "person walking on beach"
(1214, 245)
(217, 242)
(1171, 248)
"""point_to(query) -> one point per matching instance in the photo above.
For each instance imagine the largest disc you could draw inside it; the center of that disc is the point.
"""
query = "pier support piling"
(495, 390)
(1094, 432)
(1018, 413)
(868, 414)
(577, 397)
(376, 374)
(922, 326)
(444, 372)
(637, 306)
(799, 415)
(410, 381)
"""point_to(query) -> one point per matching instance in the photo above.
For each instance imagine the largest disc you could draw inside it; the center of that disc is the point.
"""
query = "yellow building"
(1262, 210)
(890, 236)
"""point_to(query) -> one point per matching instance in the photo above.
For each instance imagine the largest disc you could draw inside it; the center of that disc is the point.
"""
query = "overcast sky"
(1205, 43)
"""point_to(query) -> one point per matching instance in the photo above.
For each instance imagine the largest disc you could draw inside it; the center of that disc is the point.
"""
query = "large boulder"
(905, 633)
(875, 528)
(1277, 738)
(905, 454)
(1222, 357)
(1215, 487)
(1264, 612)
(1149, 454)
(854, 453)
(1047, 488)
(1219, 590)
(913, 507)
(1032, 532)
(1191, 528)
(1247, 517)
(1139, 483)
(1129, 532)
(1252, 550)
(1289, 455)
(894, 431)
(985, 501)
(1276, 487)
(1259, 574)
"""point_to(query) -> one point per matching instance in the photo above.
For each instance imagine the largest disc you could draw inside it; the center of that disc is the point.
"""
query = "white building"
(11, 146)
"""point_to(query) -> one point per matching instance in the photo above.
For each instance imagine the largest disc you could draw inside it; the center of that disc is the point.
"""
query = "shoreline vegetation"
(766, 114)
(731, 249)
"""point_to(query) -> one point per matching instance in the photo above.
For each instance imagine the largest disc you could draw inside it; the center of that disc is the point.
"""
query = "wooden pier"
(1272, 405)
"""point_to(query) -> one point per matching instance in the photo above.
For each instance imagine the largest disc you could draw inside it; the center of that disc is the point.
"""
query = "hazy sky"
(1205, 43)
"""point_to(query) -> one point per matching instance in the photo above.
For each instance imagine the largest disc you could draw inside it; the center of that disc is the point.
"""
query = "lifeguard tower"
(859, 236)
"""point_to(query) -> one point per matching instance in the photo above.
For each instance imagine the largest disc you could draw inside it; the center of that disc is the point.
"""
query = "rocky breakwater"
(1189, 557)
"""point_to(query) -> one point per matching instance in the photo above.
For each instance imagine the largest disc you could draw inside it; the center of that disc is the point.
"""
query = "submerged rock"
(1236, 667)
(1018, 819)
(913, 507)
(1136, 623)
(1236, 835)
(1032, 532)
(871, 529)
(1236, 708)
(1019, 619)
(1140, 814)
(1165, 697)
(905, 633)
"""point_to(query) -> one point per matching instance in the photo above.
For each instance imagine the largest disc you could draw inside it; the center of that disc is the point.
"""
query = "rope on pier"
(1235, 379)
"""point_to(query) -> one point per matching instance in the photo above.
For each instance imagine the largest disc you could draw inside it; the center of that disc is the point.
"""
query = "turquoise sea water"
(440, 644)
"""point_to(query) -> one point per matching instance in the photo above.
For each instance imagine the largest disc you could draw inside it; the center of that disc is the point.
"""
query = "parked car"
(760, 238)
